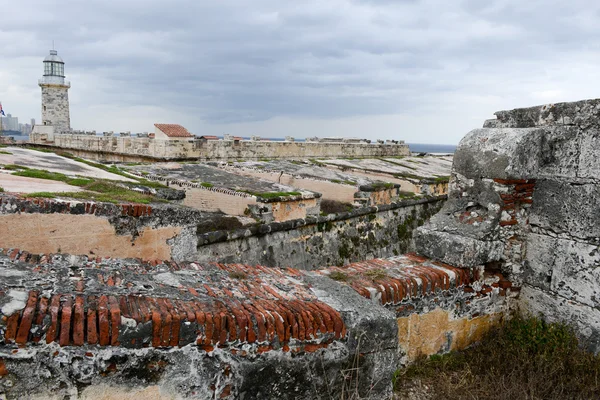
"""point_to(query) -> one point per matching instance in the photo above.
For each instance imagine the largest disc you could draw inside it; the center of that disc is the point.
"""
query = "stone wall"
(81, 327)
(96, 229)
(212, 200)
(329, 190)
(128, 148)
(524, 201)
(55, 107)
(313, 242)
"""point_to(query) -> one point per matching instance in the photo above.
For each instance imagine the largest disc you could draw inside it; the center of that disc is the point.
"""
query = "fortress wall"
(219, 149)
(81, 327)
(524, 201)
(82, 234)
(316, 241)
(207, 200)
(53, 226)
(329, 190)
(295, 209)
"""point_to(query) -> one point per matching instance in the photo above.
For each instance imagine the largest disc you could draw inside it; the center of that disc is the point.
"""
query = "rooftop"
(174, 130)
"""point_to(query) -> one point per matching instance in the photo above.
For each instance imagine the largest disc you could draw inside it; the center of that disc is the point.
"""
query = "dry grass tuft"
(526, 358)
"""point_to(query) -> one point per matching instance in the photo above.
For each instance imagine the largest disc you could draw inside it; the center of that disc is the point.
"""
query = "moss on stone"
(339, 276)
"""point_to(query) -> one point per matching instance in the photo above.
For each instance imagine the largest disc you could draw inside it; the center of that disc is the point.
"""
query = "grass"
(441, 179)
(206, 184)
(382, 185)
(110, 197)
(95, 189)
(274, 195)
(525, 358)
(111, 192)
(46, 195)
(317, 163)
(6, 152)
(14, 167)
(375, 274)
(54, 176)
(407, 195)
(339, 276)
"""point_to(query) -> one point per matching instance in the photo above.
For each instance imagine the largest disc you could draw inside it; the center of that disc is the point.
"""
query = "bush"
(525, 358)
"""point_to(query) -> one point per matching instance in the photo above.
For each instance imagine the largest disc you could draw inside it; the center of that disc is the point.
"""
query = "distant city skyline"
(423, 71)
(11, 123)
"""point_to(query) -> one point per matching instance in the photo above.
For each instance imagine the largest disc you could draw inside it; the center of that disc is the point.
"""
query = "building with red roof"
(171, 132)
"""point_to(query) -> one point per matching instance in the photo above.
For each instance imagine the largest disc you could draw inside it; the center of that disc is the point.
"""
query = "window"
(44, 109)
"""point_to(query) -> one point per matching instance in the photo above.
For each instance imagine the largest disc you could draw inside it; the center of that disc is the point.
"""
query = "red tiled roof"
(173, 130)
(209, 137)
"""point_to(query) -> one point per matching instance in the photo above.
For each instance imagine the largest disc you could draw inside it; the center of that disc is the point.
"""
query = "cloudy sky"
(424, 71)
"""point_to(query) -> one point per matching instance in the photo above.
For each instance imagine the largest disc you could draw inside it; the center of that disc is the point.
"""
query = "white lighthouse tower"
(55, 98)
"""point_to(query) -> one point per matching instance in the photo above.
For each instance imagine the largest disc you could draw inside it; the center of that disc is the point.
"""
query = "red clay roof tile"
(173, 130)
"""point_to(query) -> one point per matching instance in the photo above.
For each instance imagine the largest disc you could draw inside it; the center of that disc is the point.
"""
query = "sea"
(414, 147)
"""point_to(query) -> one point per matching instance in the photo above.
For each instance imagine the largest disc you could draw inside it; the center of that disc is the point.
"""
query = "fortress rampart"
(520, 228)
(115, 148)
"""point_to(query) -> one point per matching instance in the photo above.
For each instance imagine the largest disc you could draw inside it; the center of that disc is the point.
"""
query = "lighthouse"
(55, 97)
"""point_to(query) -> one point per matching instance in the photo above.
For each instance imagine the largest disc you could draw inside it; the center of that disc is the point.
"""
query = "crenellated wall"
(130, 148)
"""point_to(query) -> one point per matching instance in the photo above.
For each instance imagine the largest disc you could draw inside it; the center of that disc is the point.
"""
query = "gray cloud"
(435, 67)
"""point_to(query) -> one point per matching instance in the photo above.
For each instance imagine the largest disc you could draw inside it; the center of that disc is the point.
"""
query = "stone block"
(589, 162)
(576, 272)
(582, 113)
(540, 258)
(566, 207)
(519, 153)
(455, 249)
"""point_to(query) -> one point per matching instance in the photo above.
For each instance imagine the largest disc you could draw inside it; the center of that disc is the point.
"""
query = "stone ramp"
(229, 330)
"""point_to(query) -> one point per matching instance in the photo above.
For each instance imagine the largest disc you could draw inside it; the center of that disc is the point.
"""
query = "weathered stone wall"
(211, 200)
(524, 200)
(81, 327)
(96, 229)
(313, 242)
(55, 107)
(223, 150)
(83, 234)
(294, 209)
(329, 190)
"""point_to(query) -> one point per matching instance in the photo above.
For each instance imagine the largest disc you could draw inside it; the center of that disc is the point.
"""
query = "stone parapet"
(219, 150)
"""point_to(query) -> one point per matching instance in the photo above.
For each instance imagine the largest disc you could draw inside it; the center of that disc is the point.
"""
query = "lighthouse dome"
(53, 57)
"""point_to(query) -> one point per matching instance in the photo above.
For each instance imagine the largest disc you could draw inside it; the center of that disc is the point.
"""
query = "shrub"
(525, 358)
